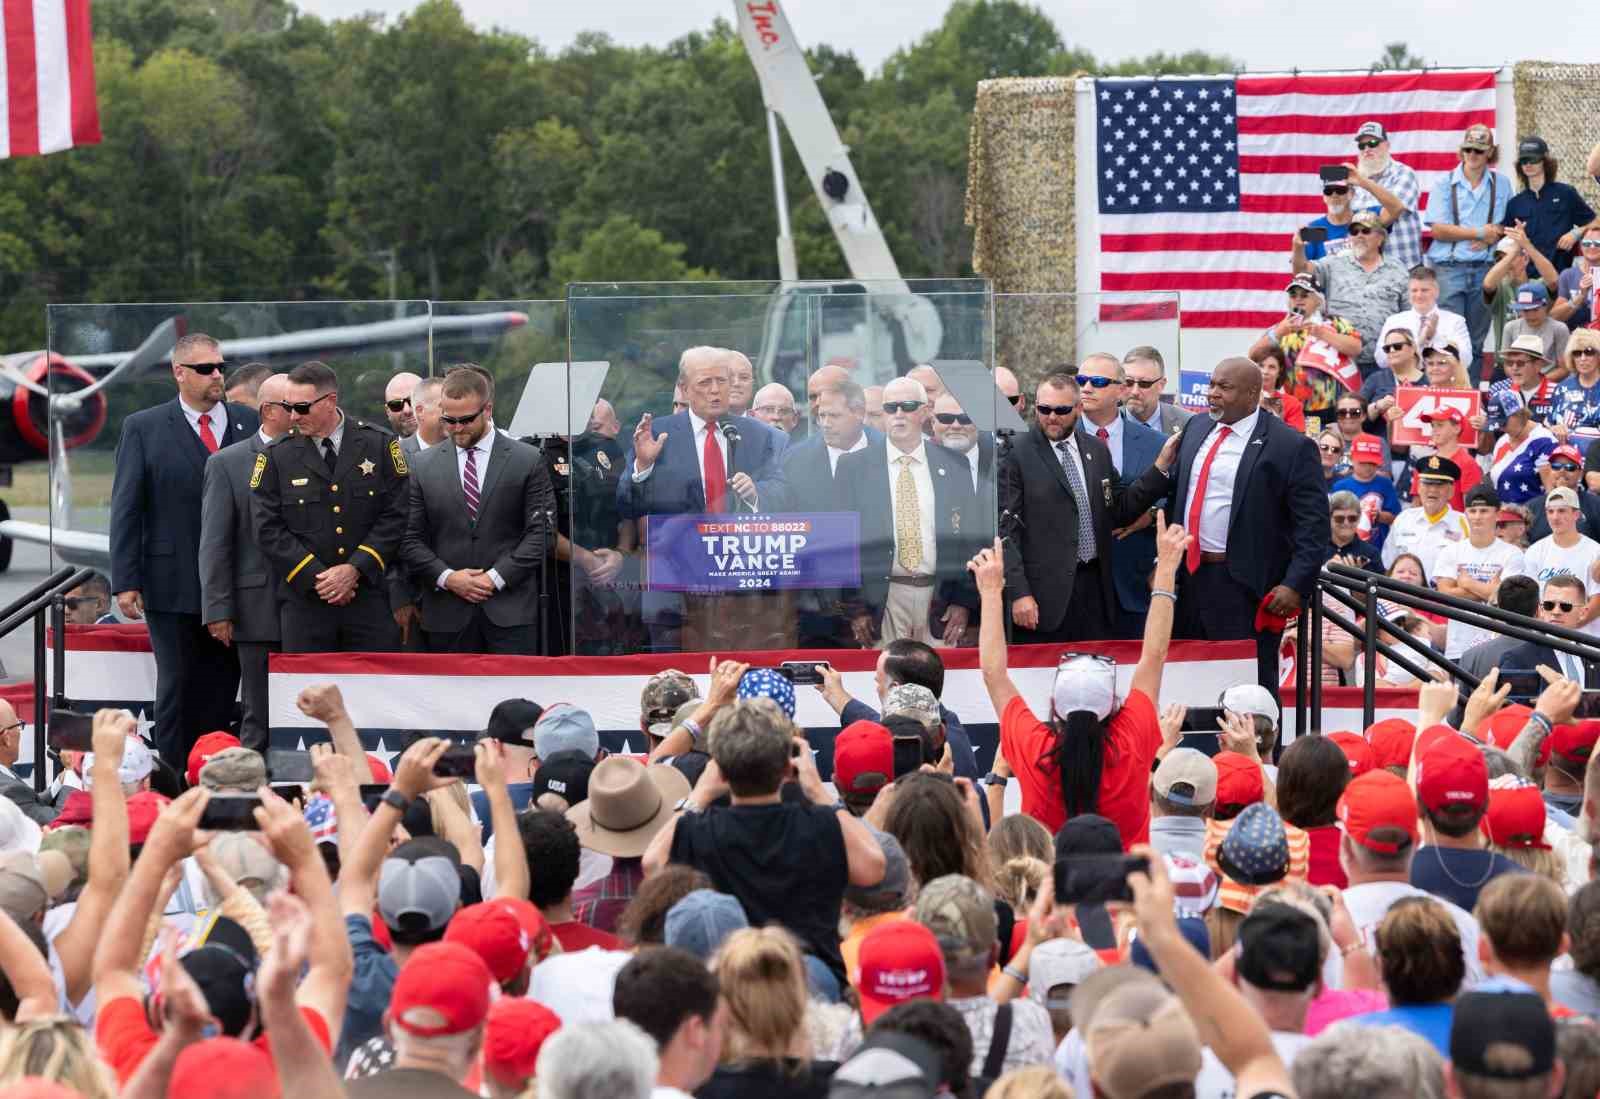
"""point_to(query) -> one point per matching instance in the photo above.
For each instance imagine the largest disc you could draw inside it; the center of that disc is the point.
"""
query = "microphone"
(730, 432)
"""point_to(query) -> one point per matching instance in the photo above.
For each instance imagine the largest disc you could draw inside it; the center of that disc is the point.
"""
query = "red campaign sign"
(1417, 401)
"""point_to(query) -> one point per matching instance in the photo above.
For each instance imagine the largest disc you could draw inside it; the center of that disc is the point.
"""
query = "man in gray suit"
(1146, 373)
(480, 524)
(239, 588)
(425, 405)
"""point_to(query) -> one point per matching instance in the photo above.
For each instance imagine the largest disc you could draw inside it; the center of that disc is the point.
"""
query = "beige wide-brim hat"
(627, 805)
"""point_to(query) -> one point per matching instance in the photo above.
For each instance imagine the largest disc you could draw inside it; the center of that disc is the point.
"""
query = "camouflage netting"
(1020, 188)
(1560, 103)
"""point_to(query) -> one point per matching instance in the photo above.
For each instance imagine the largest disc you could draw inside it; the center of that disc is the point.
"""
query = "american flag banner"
(1200, 182)
(47, 100)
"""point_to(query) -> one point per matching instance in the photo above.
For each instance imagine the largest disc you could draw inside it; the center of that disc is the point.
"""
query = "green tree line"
(255, 152)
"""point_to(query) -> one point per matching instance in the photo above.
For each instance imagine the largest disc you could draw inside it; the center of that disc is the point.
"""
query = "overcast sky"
(1266, 34)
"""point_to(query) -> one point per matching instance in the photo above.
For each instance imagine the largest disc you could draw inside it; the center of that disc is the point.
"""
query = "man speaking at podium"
(704, 459)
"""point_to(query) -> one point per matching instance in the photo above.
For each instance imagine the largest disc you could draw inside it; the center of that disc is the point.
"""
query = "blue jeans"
(1461, 291)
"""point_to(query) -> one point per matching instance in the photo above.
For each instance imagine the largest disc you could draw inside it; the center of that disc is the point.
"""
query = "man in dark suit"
(917, 513)
(1250, 488)
(478, 529)
(13, 785)
(1146, 373)
(238, 587)
(1561, 603)
(155, 541)
(1060, 498)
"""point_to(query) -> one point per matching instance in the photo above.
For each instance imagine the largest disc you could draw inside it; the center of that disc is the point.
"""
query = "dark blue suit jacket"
(1134, 556)
(155, 504)
(674, 483)
(808, 478)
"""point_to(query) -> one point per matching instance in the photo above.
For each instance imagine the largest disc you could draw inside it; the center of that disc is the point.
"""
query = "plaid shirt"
(600, 903)
(1405, 235)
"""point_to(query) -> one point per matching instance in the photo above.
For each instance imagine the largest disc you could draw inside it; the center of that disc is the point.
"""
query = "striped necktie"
(469, 482)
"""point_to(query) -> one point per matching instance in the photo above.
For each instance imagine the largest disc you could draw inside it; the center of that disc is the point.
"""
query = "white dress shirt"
(1451, 328)
(481, 448)
(1216, 510)
(972, 455)
(1113, 439)
(834, 452)
(923, 478)
(218, 417)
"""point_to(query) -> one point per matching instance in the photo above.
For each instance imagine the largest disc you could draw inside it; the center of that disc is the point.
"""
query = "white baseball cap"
(137, 763)
(1059, 962)
(1251, 698)
(1085, 684)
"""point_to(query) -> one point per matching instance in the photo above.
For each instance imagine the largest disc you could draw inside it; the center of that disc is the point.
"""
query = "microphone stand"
(731, 433)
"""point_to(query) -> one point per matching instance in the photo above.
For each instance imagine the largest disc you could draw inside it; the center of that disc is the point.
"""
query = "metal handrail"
(45, 596)
(11, 609)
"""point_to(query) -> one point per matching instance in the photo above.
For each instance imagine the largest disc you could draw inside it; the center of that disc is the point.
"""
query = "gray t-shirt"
(1552, 332)
(1364, 298)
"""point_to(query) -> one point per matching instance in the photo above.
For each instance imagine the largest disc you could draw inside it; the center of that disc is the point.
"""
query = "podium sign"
(701, 554)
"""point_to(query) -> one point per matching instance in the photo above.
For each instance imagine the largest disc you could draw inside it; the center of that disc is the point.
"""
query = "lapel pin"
(941, 473)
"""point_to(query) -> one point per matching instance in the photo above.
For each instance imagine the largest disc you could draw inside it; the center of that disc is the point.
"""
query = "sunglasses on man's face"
(1472, 150)
(948, 418)
(1094, 382)
(303, 408)
(1564, 467)
(1055, 409)
(1349, 414)
(1590, 242)
(901, 406)
(1555, 604)
(1146, 383)
(396, 406)
(1368, 144)
(204, 369)
(458, 421)
(1360, 230)
(1336, 190)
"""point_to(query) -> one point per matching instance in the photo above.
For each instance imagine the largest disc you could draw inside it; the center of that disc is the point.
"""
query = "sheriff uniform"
(323, 502)
(1415, 532)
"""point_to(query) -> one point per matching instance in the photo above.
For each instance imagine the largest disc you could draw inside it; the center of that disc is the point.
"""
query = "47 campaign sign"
(1419, 401)
(727, 553)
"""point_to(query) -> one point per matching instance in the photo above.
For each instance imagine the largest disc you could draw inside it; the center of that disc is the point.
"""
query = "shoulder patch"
(260, 468)
(397, 458)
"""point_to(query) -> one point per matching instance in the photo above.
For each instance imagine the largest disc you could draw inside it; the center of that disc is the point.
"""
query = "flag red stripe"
(1308, 165)
(1242, 318)
(80, 66)
(1281, 204)
(1111, 313)
(1357, 83)
(1193, 242)
(1194, 280)
(1348, 123)
(22, 78)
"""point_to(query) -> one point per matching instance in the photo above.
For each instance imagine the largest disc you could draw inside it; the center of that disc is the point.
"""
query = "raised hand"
(646, 445)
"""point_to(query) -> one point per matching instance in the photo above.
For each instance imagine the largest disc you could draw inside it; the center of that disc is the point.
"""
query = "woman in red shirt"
(1094, 755)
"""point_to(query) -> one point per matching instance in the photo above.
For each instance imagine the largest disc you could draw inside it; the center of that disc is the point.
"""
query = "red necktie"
(1103, 434)
(716, 474)
(1197, 499)
(207, 437)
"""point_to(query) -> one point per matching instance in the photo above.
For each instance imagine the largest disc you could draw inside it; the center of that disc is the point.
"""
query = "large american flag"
(1201, 181)
(47, 100)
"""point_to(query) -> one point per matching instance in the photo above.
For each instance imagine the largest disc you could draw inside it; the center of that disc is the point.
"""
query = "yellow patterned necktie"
(907, 518)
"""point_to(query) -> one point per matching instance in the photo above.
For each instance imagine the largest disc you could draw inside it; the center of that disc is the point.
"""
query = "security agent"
(329, 508)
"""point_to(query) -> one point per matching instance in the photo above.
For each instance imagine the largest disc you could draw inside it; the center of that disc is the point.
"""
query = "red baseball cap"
(1366, 448)
(1451, 772)
(495, 934)
(863, 758)
(1377, 800)
(1356, 750)
(1239, 780)
(1501, 728)
(541, 940)
(223, 1068)
(206, 747)
(1391, 741)
(897, 962)
(1446, 412)
(442, 989)
(513, 1037)
(1567, 451)
(1574, 743)
(1516, 817)
(143, 809)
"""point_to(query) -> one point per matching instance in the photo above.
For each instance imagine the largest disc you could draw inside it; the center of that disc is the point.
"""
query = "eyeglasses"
(1360, 230)
(1346, 520)
(7, 728)
(1585, 352)
(948, 418)
(1097, 383)
(303, 408)
(1472, 150)
(1336, 190)
(1055, 409)
(73, 602)
(901, 406)
(457, 421)
(1392, 348)
(1349, 414)
(1553, 604)
(1564, 467)
(1328, 448)
(204, 369)
(396, 406)
(1368, 144)
(1146, 383)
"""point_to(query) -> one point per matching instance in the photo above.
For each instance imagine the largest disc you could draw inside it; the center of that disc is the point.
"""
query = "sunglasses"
(1055, 409)
(1585, 352)
(73, 602)
(1349, 414)
(948, 418)
(1097, 383)
(396, 406)
(1473, 150)
(205, 369)
(1368, 144)
(1336, 190)
(901, 406)
(1360, 230)
(1590, 242)
(303, 408)
(1016, 400)
(1564, 467)
(1346, 520)
(1553, 604)
(457, 421)
(1146, 383)
(1327, 449)
(1526, 160)
(1391, 348)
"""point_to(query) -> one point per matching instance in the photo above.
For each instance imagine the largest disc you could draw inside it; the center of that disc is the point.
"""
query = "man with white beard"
(1376, 166)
